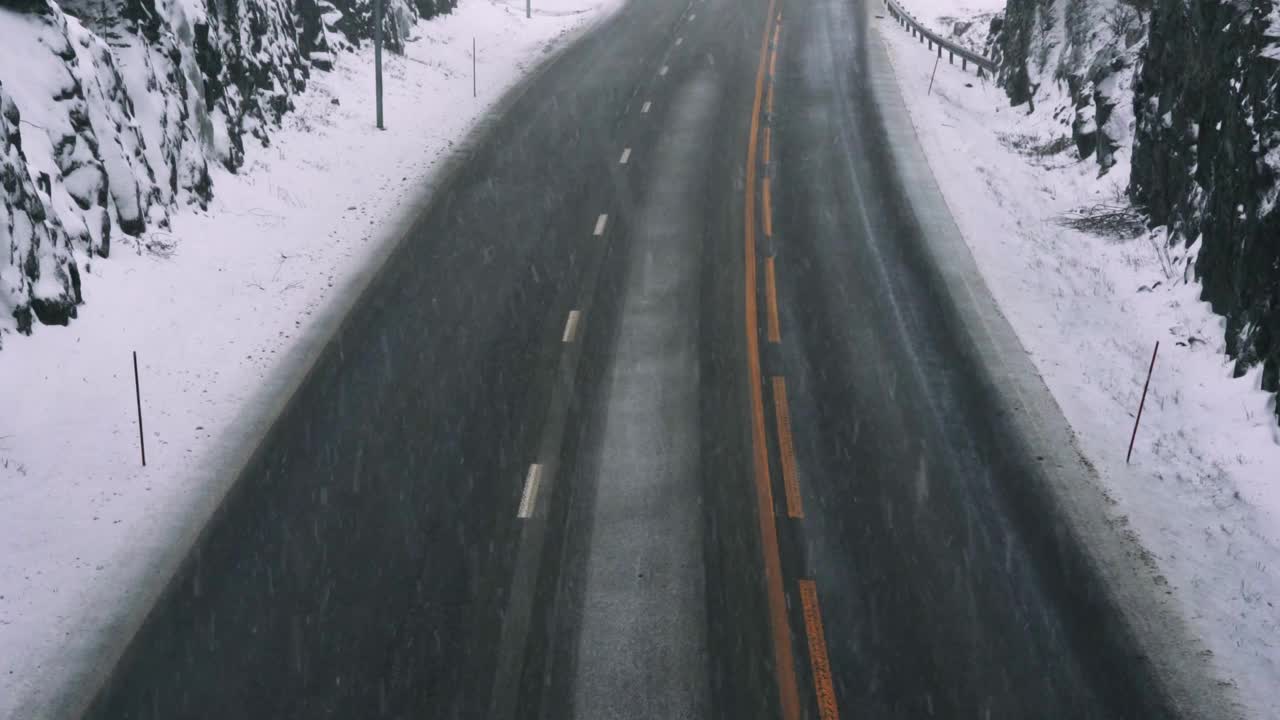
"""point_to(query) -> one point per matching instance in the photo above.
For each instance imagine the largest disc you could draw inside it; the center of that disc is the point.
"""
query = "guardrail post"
(964, 64)
(952, 59)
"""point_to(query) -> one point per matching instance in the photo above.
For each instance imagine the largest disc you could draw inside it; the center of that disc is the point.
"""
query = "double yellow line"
(784, 660)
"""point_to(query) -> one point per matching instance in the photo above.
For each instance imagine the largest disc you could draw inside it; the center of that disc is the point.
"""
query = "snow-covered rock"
(125, 104)
(1074, 59)
(37, 274)
(1182, 95)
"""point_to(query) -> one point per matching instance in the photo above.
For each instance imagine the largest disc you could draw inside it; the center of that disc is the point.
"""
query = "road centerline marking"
(530, 496)
(786, 448)
(773, 329)
(571, 326)
(780, 629)
(818, 659)
(626, 155)
(600, 223)
(766, 207)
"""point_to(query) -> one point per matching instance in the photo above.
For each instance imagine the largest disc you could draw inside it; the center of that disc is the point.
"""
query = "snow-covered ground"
(218, 308)
(1202, 494)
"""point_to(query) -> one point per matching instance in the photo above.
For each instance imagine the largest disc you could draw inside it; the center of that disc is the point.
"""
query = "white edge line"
(530, 495)
(571, 326)
(600, 222)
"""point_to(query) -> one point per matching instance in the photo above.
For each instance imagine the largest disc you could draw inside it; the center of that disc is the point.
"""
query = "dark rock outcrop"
(1206, 159)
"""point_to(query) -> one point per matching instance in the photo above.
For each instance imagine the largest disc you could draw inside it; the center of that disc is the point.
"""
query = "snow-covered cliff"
(113, 111)
(1181, 95)
(1074, 59)
(1206, 160)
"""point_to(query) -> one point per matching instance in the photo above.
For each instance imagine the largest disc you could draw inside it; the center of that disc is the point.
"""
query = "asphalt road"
(656, 413)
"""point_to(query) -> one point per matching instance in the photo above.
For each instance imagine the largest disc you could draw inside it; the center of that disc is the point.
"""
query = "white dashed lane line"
(645, 109)
(571, 326)
(530, 496)
(664, 70)
(626, 155)
(600, 223)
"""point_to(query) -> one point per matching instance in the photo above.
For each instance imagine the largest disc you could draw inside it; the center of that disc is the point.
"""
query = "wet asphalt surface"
(371, 562)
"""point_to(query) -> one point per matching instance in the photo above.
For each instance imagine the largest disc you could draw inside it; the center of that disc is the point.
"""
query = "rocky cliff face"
(1076, 56)
(1206, 159)
(1184, 93)
(113, 111)
(37, 275)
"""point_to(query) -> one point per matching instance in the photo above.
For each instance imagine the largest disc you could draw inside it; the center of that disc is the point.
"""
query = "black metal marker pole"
(377, 56)
(137, 394)
(1141, 403)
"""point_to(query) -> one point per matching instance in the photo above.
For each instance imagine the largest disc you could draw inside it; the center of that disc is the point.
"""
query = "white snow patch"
(1203, 491)
(211, 316)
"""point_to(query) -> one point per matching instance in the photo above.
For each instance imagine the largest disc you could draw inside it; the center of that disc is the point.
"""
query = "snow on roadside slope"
(1203, 493)
(79, 519)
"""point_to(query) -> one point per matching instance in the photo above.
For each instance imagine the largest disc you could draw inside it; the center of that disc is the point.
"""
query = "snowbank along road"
(676, 401)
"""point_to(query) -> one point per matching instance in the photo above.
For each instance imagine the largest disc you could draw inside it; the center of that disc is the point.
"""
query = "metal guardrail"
(906, 20)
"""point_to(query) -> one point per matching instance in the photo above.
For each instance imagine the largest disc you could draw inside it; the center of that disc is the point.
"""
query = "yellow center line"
(772, 327)
(827, 709)
(783, 659)
(766, 207)
(786, 448)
